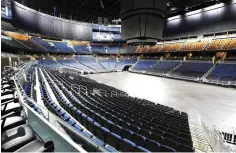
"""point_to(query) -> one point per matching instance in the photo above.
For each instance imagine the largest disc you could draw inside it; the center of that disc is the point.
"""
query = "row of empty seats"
(190, 70)
(59, 111)
(111, 120)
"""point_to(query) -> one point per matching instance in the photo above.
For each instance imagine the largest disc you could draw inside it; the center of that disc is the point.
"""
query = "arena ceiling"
(90, 10)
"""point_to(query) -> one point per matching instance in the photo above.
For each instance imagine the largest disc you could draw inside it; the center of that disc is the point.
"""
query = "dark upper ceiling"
(90, 10)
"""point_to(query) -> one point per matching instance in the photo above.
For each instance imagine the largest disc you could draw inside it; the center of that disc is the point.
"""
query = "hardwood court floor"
(217, 105)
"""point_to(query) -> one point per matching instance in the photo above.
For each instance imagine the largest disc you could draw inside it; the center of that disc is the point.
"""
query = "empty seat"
(151, 145)
(137, 139)
(126, 133)
(113, 139)
(116, 129)
(84, 120)
(108, 125)
(126, 145)
(90, 125)
(125, 125)
(101, 132)
(184, 148)
(16, 138)
(96, 126)
(157, 138)
(170, 143)
(173, 132)
(140, 149)
(162, 128)
(164, 148)
(170, 136)
(134, 128)
(145, 133)
(157, 131)
(185, 136)
(148, 128)
(185, 141)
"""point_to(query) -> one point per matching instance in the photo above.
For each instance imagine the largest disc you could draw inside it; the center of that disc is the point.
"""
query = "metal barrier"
(215, 139)
(228, 133)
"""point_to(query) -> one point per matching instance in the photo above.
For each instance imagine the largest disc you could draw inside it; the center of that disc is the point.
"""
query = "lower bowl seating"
(125, 123)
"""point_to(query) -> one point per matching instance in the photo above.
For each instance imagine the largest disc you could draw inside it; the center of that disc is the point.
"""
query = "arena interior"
(118, 76)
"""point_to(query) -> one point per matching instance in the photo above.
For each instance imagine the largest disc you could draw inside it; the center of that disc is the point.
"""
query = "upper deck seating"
(81, 49)
(10, 42)
(113, 49)
(172, 47)
(217, 44)
(98, 48)
(63, 47)
(230, 44)
(45, 44)
(194, 46)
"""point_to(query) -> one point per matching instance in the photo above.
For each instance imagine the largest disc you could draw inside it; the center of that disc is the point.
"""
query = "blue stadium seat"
(126, 145)
(151, 145)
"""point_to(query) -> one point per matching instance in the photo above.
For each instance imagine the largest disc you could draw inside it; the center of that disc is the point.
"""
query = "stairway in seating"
(200, 142)
(208, 72)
